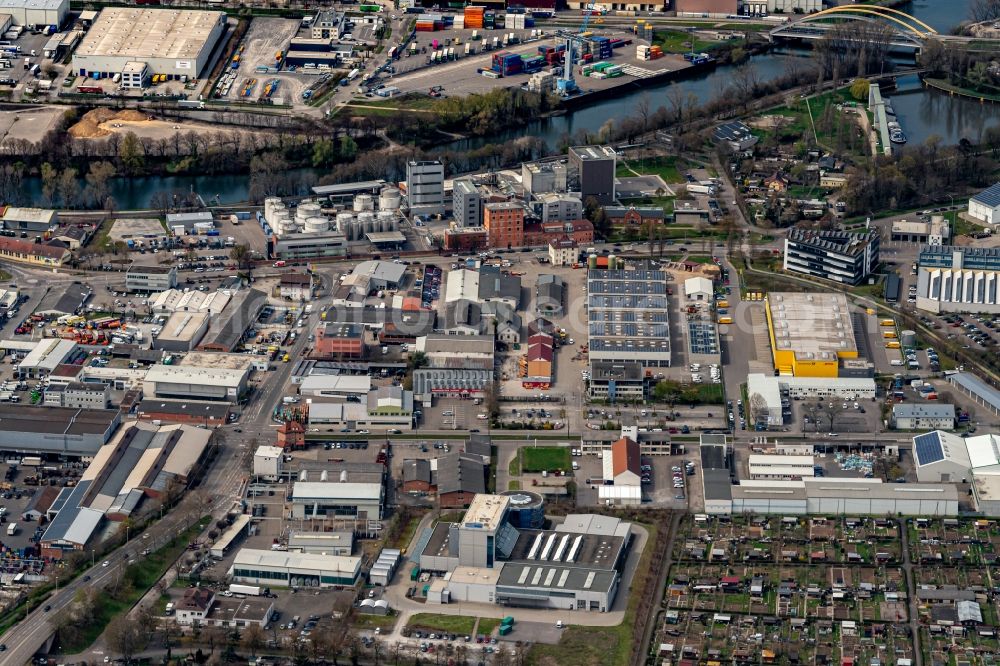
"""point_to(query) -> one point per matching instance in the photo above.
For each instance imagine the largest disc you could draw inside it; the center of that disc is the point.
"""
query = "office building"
(923, 416)
(173, 42)
(467, 203)
(316, 495)
(781, 467)
(592, 171)
(958, 279)
(839, 256)
(504, 223)
(328, 25)
(149, 278)
(425, 187)
(270, 568)
(937, 231)
(78, 395)
(985, 206)
(810, 333)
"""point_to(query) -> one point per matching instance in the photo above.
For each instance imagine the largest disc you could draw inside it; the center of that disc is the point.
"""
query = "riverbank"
(944, 86)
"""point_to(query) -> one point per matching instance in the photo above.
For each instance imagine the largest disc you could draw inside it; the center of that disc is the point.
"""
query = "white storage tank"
(317, 224)
(363, 202)
(389, 198)
(386, 220)
(344, 221)
(367, 221)
(357, 230)
(307, 210)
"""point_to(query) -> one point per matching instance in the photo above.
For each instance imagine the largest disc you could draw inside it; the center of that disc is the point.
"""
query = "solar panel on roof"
(928, 448)
(990, 196)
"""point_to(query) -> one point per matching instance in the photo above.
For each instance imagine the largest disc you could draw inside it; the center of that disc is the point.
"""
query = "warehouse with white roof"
(316, 495)
(941, 457)
(174, 381)
(287, 569)
(173, 42)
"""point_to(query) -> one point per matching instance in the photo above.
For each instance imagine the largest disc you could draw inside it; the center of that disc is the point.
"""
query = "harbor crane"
(566, 85)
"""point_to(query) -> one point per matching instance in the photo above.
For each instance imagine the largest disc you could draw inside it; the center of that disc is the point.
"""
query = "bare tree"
(760, 412)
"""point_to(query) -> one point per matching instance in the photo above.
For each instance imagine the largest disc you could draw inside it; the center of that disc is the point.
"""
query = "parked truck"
(698, 188)
(249, 590)
(190, 104)
(12, 529)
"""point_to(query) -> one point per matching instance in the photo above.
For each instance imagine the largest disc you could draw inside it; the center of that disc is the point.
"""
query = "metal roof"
(348, 188)
(320, 490)
(974, 385)
(989, 197)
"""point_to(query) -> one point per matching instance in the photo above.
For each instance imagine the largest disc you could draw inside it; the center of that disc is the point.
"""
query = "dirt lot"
(265, 38)
(30, 124)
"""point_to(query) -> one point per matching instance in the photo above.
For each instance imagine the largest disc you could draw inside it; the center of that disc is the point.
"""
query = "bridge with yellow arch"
(908, 32)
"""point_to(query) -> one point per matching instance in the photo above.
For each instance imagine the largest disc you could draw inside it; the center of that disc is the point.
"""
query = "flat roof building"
(56, 430)
(329, 498)
(832, 255)
(810, 332)
(175, 381)
(922, 416)
(781, 467)
(36, 12)
(287, 569)
(48, 354)
(173, 42)
(182, 332)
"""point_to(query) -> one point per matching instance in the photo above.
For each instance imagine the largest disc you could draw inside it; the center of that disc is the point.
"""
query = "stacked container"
(474, 17)
(489, 20)
(506, 64)
(532, 64)
(603, 47)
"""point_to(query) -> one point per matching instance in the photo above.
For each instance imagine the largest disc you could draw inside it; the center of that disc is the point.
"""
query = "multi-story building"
(634, 216)
(467, 203)
(425, 187)
(540, 177)
(592, 171)
(150, 278)
(810, 333)
(559, 207)
(78, 395)
(958, 279)
(338, 341)
(563, 251)
(765, 7)
(504, 224)
(920, 416)
(832, 255)
(328, 24)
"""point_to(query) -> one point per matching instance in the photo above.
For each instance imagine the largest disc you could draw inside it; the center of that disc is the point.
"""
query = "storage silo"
(364, 202)
(317, 224)
(357, 230)
(386, 220)
(306, 210)
(367, 221)
(592, 262)
(908, 338)
(344, 221)
(527, 509)
(389, 199)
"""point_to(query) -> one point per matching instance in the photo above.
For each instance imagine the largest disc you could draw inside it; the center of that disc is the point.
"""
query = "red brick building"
(291, 435)
(632, 216)
(468, 239)
(209, 414)
(543, 233)
(504, 224)
(339, 341)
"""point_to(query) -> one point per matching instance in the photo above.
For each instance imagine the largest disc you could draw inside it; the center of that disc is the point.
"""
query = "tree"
(759, 411)
(417, 360)
(252, 638)
(243, 257)
(348, 148)
(124, 636)
(491, 400)
(131, 154)
(859, 89)
(323, 153)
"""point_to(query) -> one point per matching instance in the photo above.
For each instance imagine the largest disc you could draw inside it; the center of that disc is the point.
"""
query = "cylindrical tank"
(307, 210)
(363, 202)
(527, 509)
(367, 221)
(344, 221)
(386, 220)
(612, 262)
(389, 199)
(592, 261)
(317, 224)
(908, 338)
(324, 475)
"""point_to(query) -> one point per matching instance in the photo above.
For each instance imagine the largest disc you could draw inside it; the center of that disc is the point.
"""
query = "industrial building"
(182, 332)
(771, 388)
(147, 279)
(32, 220)
(389, 407)
(937, 231)
(976, 389)
(36, 13)
(226, 330)
(810, 333)
(176, 43)
(456, 365)
(559, 207)
(177, 300)
(340, 544)
(425, 187)
(316, 495)
(201, 383)
(47, 354)
(839, 256)
(629, 317)
(958, 279)
(287, 569)
(504, 224)
(204, 413)
(843, 496)
(56, 430)
(267, 462)
(780, 467)
(984, 207)
(591, 169)
(923, 416)
(549, 295)
(486, 559)
(541, 177)
(467, 203)
(336, 386)
(621, 463)
(717, 473)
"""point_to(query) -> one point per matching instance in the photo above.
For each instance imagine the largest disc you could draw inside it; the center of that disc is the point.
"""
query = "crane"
(566, 85)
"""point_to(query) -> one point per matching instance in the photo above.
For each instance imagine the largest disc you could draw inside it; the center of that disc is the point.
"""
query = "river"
(921, 113)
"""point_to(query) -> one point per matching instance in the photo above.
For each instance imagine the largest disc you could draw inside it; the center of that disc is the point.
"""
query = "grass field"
(666, 203)
(664, 167)
(544, 458)
(452, 624)
(675, 41)
(597, 646)
(487, 625)
(514, 485)
(371, 621)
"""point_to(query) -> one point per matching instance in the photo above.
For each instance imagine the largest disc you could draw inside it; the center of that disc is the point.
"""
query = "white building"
(770, 387)
(467, 203)
(330, 498)
(36, 12)
(985, 206)
(941, 457)
(267, 462)
(150, 278)
(322, 543)
(564, 251)
(844, 496)
(286, 569)
(336, 386)
(781, 467)
(425, 187)
(173, 42)
(698, 289)
(47, 354)
(174, 381)
(923, 416)
(559, 207)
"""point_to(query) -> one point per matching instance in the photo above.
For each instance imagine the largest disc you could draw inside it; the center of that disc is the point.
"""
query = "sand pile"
(89, 126)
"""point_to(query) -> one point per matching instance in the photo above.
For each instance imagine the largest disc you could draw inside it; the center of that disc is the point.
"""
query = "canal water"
(921, 113)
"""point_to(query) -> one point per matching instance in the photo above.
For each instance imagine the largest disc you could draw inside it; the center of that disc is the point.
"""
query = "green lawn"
(666, 203)
(513, 485)
(453, 624)
(664, 167)
(514, 469)
(364, 621)
(544, 458)
(676, 41)
(487, 625)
